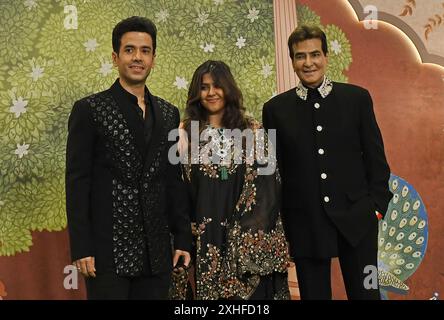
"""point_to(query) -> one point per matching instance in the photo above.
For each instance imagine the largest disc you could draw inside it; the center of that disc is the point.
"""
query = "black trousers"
(110, 286)
(314, 274)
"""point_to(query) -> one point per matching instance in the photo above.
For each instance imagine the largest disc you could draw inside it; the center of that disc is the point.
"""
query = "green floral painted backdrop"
(45, 65)
(48, 60)
(339, 49)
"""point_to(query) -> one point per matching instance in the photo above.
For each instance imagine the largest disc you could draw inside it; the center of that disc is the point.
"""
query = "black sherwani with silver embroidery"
(334, 176)
(123, 197)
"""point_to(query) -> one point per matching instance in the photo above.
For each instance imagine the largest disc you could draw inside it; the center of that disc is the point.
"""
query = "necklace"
(221, 145)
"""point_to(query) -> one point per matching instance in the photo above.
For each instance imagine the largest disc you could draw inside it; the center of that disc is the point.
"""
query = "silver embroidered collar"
(324, 89)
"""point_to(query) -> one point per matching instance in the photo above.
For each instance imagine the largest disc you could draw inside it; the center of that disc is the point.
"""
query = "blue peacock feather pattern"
(403, 235)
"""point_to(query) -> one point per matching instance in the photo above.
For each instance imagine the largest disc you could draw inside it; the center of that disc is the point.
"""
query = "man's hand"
(186, 258)
(86, 266)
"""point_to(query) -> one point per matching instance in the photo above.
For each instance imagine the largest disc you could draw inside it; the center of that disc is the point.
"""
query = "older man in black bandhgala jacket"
(124, 198)
(334, 172)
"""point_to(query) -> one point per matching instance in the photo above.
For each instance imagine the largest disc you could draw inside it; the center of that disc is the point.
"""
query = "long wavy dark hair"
(234, 110)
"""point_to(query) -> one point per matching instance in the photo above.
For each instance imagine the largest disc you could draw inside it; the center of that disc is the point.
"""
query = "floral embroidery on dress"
(248, 196)
(219, 164)
(237, 249)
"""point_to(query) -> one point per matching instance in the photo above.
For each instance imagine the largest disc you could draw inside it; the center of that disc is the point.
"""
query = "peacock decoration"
(403, 235)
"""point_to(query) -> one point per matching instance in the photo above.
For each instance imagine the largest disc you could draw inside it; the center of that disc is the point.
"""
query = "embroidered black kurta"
(240, 242)
(123, 197)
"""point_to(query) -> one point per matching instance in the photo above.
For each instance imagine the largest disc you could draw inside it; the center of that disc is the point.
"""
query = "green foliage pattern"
(45, 65)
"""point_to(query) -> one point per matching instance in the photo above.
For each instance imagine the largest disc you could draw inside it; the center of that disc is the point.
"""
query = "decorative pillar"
(285, 21)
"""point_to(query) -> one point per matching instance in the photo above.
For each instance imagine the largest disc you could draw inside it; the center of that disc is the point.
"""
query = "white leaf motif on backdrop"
(181, 83)
(22, 150)
(18, 106)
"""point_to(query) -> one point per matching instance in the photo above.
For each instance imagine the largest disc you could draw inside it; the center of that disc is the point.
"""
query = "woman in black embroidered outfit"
(241, 251)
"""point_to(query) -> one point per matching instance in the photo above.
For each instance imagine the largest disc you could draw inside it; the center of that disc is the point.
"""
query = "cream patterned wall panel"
(421, 20)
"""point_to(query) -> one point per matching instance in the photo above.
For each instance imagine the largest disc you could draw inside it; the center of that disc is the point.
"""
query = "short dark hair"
(303, 33)
(134, 23)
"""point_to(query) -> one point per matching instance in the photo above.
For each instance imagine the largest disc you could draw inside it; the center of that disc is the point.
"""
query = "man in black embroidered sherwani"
(334, 172)
(124, 199)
